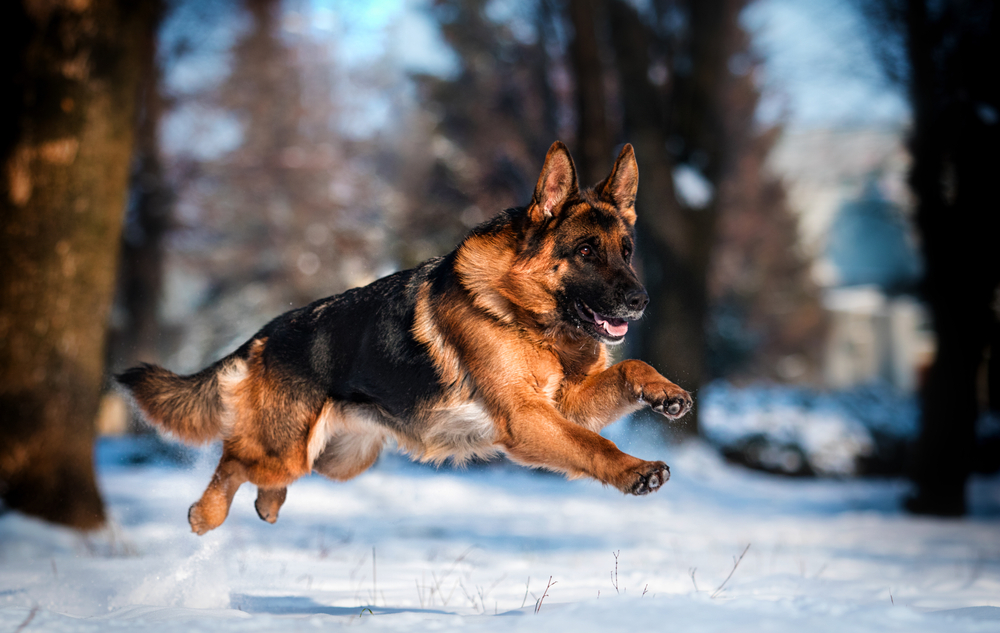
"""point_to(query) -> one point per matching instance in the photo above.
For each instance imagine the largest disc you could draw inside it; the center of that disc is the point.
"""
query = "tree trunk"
(593, 138)
(147, 220)
(955, 164)
(71, 75)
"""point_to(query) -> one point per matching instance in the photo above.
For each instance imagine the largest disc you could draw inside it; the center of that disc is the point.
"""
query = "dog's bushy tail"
(189, 407)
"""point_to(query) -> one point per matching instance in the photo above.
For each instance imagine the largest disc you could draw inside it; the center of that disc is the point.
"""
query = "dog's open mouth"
(608, 326)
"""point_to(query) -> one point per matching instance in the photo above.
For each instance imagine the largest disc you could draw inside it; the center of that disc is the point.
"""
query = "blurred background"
(817, 203)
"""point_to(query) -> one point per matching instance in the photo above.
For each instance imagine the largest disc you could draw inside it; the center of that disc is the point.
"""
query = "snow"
(691, 187)
(455, 549)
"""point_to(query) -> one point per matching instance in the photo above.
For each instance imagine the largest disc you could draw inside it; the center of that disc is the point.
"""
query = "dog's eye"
(585, 250)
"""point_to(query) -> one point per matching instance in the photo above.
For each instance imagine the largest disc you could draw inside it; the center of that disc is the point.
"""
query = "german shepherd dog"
(499, 346)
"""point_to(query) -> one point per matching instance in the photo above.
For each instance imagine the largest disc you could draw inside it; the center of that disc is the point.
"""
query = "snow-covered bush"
(796, 430)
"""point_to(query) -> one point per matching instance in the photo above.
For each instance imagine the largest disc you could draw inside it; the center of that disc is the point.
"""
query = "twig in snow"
(485, 594)
(458, 560)
(438, 581)
(614, 574)
(324, 551)
(976, 570)
(27, 621)
(357, 567)
(693, 571)
(645, 589)
(451, 593)
(538, 605)
(890, 598)
(528, 584)
(437, 585)
(306, 578)
(468, 596)
(374, 577)
(736, 563)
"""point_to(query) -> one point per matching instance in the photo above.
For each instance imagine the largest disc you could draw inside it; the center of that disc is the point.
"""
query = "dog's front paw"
(647, 478)
(667, 399)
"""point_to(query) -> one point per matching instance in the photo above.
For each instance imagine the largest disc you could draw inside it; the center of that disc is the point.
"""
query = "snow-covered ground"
(405, 547)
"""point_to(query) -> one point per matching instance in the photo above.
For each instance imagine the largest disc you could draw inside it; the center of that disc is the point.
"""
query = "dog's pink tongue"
(613, 330)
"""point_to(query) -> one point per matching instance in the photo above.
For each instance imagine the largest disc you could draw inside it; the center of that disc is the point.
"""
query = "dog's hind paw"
(269, 502)
(199, 522)
(648, 478)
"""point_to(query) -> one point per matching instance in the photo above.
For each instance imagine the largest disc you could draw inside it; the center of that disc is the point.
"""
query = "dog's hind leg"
(213, 507)
(268, 503)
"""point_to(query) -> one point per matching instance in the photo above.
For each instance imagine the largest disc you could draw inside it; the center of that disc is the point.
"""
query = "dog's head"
(565, 259)
(590, 239)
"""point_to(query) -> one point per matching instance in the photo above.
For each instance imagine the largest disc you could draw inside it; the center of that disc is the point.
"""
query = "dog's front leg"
(602, 398)
(537, 435)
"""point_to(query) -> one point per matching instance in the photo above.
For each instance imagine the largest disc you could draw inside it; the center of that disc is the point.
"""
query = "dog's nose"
(637, 299)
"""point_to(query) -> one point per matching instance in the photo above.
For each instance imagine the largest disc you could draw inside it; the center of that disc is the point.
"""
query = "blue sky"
(819, 67)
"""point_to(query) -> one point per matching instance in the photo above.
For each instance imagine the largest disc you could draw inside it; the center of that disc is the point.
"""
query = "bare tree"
(948, 60)
(71, 78)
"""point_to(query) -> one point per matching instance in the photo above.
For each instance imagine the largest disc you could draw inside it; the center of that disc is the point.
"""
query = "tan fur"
(322, 429)
(261, 407)
(232, 375)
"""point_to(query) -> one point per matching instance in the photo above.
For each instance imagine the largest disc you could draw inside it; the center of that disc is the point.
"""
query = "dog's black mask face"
(592, 241)
(600, 291)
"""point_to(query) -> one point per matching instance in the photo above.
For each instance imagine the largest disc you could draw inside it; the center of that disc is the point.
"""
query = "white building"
(849, 190)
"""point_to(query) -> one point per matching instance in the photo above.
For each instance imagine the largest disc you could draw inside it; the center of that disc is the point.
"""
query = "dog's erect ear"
(556, 183)
(620, 187)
